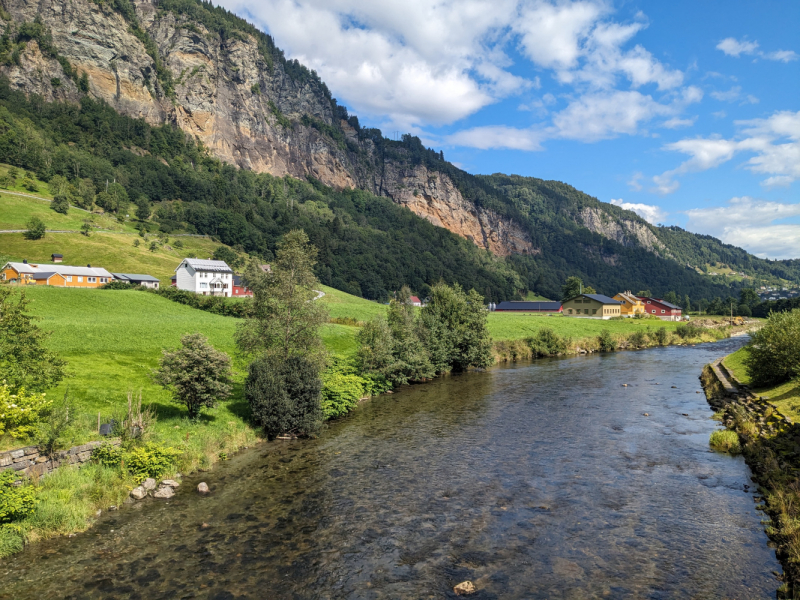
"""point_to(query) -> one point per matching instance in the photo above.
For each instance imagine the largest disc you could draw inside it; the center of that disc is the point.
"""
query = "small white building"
(206, 277)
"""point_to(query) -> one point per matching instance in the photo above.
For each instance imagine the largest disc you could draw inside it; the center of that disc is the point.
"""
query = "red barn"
(239, 289)
(666, 311)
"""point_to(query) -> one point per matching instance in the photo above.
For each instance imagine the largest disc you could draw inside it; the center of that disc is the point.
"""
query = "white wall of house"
(200, 281)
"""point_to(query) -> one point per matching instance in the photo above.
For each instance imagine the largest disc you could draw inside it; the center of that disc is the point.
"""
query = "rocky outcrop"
(433, 196)
(240, 103)
(627, 232)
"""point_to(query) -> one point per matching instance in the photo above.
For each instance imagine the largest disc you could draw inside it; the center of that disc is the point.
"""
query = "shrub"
(284, 396)
(150, 460)
(36, 229)
(177, 244)
(342, 388)
(661, 336)
(86, 229)
(774, 354)
(637, 338)
(55, 430)
(725, 440)
(547, 342)
(20, 412)
(606, 341)
(197, 374)
(60, 204)
(16, 501)
(744, 311)
(108, 455)
(688, 331)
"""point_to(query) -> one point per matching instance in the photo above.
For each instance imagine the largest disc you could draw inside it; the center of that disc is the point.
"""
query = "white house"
(207, 277)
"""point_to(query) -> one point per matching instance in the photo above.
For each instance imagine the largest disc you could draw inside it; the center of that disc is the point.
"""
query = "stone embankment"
(30, 460)
(770, 445)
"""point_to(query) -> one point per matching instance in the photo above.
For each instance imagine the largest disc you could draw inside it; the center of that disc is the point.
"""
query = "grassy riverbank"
(771, 447)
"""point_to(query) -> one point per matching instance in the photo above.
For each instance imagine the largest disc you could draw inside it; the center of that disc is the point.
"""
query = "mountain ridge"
(217, 78)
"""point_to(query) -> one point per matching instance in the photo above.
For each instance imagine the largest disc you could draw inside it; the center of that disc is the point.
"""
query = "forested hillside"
(191, 118)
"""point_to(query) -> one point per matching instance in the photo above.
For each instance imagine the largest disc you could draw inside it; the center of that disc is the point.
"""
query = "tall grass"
(725, 440)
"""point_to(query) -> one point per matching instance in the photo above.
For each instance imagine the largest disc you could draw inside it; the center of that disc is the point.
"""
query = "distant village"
(215, 278)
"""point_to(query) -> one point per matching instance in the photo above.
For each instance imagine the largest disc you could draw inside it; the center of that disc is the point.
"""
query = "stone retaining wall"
(29, 460)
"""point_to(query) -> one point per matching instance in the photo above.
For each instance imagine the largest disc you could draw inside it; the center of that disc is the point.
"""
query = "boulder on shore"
(138, 493)
(149, 483)
(164, 491)
(171, 483)
(202, 487)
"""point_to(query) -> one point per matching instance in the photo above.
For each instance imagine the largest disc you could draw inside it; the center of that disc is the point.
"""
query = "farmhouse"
(666, 311)
(631, 305)
(59, 275)
(592, 306)
(529, 307)
(415, 301)
(240, 290)
(207, 277)
(147, 281)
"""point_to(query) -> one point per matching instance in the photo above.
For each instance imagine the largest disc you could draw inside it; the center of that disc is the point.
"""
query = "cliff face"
(245, 109)
(629, 233)
(433, 196)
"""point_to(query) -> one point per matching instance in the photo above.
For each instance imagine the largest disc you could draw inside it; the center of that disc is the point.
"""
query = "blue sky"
(687, 112)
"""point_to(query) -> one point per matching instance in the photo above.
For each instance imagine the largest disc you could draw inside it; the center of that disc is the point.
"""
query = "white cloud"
(751, 224)
(414, 63)
(774, 143)
(676, 122)
(733, 94)
(733, 47)
(650, 213)
(500, 136)
(635, 181)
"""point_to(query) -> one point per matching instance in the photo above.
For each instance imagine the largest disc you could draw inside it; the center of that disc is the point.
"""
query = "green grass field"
(113, 340)
(509, 326)
(342, 304)
(785, 397)
(16, 211)
(112, 251)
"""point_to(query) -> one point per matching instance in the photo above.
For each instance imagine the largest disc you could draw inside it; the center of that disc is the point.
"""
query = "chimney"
(24, 261)
(90, 266)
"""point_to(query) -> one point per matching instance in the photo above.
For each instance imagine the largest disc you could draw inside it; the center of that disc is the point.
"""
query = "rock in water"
(138, 493)
(202, 487)
(171, 483)
(149, 483)
(164, 491)
(464, 588)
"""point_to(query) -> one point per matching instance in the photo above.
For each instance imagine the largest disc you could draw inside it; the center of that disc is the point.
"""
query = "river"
(536, 480)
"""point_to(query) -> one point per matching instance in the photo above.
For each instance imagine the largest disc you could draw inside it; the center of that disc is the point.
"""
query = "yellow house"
(26, 273)
(591, 306)
(631, 305)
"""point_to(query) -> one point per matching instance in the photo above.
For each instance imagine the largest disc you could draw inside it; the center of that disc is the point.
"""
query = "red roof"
(415, 300)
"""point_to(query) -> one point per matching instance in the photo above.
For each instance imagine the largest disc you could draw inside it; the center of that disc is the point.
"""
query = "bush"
(774, 354)
(744, 311)
(55, 431)
(108, 455)
(661, 336)
(342, 388)
(197, 374)
(36, 229)
(725, 440)
(547, 342)
(606, 341)
(637, 339)
(16, 501)
(688, 331)
(60, 204)
(20, 412)
(150, 460)
(284, 396)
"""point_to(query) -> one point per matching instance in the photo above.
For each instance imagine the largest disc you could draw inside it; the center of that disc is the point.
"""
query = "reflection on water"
(540, 480)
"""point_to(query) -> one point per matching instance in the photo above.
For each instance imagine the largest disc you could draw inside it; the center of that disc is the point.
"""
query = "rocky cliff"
(248, 107)
(627, 232)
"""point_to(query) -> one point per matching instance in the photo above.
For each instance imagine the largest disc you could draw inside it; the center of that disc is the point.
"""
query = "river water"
(538, 480)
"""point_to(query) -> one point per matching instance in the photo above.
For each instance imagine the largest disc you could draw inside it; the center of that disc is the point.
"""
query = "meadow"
(785, 397)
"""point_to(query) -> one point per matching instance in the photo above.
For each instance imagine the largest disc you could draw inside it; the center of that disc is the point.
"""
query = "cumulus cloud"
(774, 145)
(751, 224)
(736, 48)
(676, 122)
(414, 63)
(486, 138)
(650, 213)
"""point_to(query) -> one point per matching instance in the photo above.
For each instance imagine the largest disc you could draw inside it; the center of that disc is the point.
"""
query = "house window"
(648, 301)
(69, 278)
(569, 311)
(594, 311)
(203, 284)
(653, 311)
(586, 311)
(91, 279)
(80, 279)
(663, 311)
